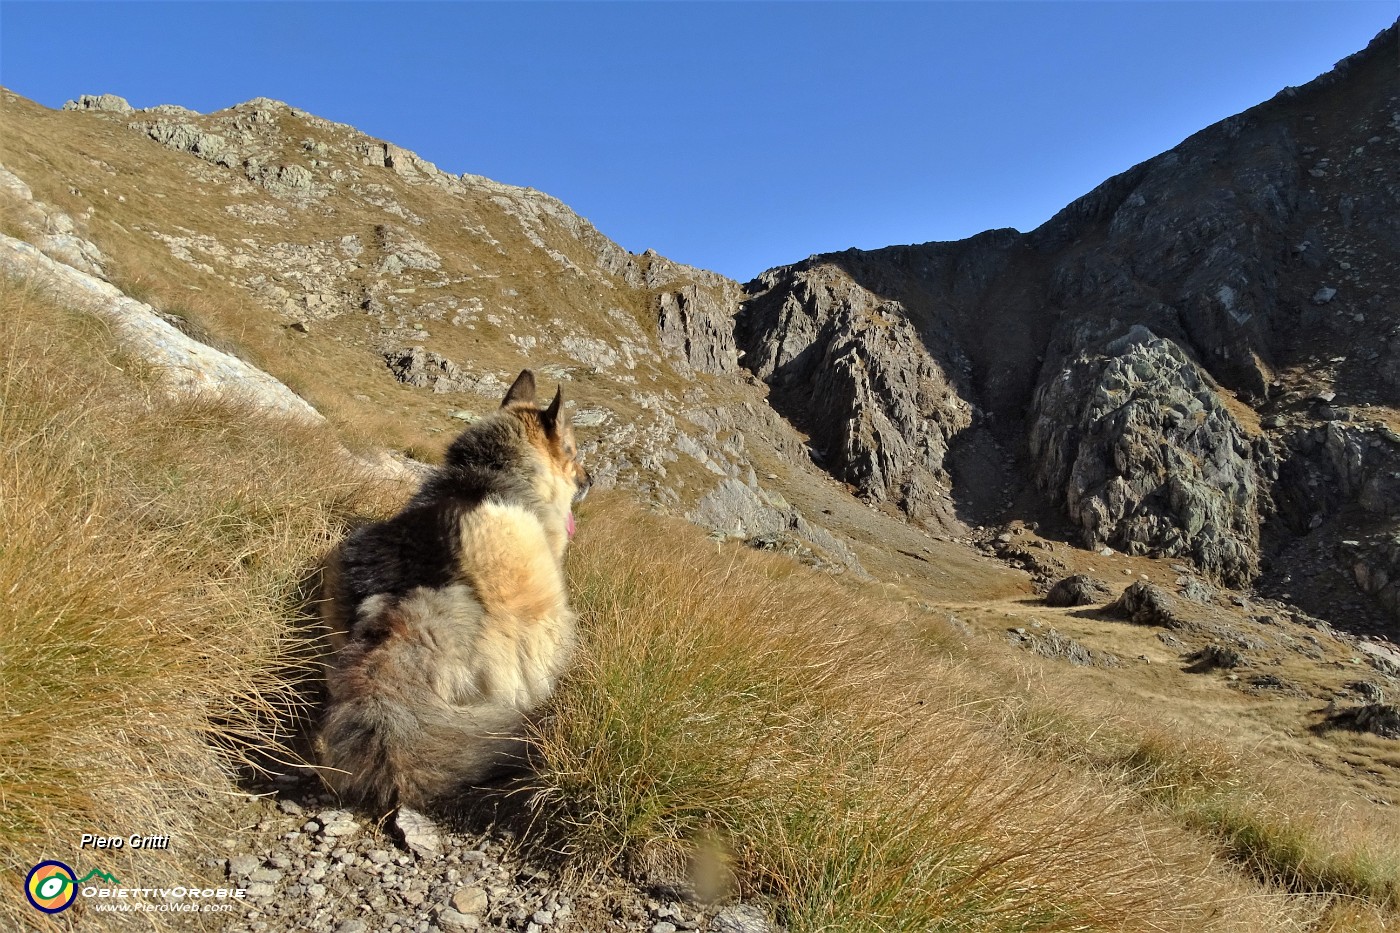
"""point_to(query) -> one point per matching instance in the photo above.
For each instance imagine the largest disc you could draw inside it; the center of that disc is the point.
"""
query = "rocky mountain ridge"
(316, 233)
(1193, 360)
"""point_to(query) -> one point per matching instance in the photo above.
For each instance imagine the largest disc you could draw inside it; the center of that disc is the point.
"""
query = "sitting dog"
(450, 621)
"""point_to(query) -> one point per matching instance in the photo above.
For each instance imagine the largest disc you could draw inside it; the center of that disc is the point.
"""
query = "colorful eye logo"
(51, 887)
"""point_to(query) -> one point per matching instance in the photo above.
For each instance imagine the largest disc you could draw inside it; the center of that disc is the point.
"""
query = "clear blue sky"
(733, 136)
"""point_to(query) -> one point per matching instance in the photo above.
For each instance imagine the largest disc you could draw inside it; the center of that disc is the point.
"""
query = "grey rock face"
(736, 509)
(854, 373)
(693, 323)
(1261, 246)
(190, 366)
(426, 369)
(1336, 464)
(1146, 458)
(186, 137)
(1375, 565)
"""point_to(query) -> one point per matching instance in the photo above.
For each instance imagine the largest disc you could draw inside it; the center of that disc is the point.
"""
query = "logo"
(53, 887)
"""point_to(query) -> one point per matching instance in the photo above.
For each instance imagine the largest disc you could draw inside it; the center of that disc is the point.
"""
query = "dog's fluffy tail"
(390, 746)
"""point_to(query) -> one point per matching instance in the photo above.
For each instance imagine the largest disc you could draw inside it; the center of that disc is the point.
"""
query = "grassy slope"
(832, 751)
(150, 569)
(816, 738)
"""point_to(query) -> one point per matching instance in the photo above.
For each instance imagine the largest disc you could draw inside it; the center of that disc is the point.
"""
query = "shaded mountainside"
(1200, 358)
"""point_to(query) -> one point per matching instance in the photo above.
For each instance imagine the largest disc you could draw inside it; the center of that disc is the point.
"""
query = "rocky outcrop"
(1375, 566)
(1382, 719)
(53, 231)
(425, 369)
(110, 103)
(1259, 254)
(743, 510)
(1336, 464)
(850, 369)
(698, 328)
(1055, 645)
(1146, 604)
(190, 367)
(1137, 445)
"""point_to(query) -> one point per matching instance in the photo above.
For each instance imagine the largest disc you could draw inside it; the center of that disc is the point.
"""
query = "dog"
(449, 622)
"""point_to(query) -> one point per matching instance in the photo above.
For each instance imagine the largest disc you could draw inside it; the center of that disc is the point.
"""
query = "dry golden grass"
(731, 702)
(150, 577)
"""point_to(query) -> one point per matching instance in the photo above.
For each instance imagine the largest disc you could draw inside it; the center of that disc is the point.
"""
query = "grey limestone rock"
(852, 371)
(190, 367)
(109, 103)
(187, 137)
(736, 509)
(694, 324)
(1145, 457)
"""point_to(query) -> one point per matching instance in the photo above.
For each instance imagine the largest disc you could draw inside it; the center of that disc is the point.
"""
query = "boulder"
(1079, 590)
(1146, 604)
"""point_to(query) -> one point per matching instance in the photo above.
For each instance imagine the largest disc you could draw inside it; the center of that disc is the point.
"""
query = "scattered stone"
(419, 833)
(740, 918)
(469, 900)
(338, 823)
(1323, 295)
(242, 866)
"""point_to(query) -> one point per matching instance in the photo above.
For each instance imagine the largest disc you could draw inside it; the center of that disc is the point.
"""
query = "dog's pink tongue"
(570, 526)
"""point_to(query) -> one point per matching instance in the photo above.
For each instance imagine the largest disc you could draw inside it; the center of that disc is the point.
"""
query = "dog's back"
(451, 620)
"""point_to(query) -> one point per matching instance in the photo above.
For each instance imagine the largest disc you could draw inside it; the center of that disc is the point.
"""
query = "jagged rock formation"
(1196, 359)
(855, 374)
(1201, 344)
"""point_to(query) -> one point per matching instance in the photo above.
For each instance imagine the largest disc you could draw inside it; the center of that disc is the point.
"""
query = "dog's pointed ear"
(522, 390)
(550, 416)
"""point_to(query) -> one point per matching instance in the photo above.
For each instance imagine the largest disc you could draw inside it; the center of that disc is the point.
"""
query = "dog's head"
(551, 432)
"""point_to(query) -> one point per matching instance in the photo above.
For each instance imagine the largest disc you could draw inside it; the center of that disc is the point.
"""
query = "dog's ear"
(550, 416)
(522, 390)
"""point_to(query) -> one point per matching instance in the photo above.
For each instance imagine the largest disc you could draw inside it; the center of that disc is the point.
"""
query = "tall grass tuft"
(151, 566)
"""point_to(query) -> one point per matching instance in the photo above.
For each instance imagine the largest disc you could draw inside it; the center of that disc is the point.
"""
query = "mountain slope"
(1197, 359)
